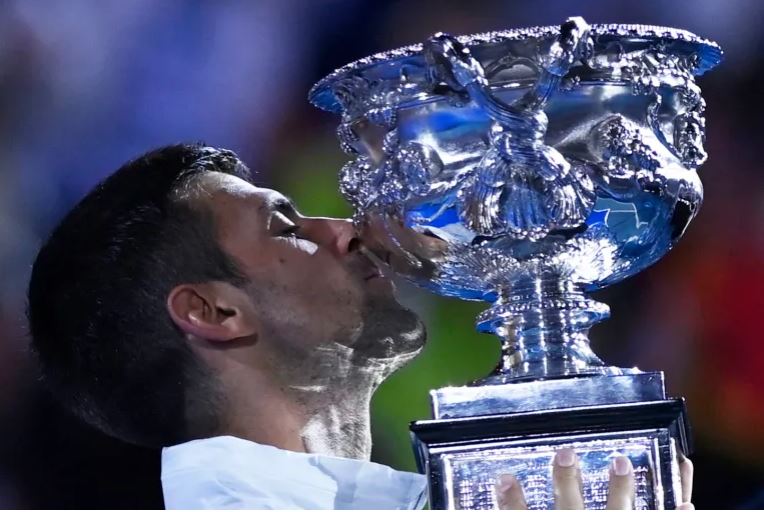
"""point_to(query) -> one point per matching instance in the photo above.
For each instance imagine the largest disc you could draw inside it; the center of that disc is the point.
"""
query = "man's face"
(310, 282)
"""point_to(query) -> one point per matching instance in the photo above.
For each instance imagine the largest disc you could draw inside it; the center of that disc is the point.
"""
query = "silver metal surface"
(466, 401)
(470, 475)
(526, 168)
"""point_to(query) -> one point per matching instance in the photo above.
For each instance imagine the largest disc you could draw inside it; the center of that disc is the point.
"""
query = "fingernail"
(505, 483)
(565, 457)
(621, 466)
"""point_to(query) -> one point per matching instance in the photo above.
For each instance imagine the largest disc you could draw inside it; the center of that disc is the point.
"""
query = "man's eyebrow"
(280, 204)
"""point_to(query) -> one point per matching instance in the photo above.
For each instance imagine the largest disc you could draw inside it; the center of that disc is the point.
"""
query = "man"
(178, 305)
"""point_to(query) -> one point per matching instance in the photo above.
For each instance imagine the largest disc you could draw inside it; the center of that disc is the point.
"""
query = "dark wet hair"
(106, 345)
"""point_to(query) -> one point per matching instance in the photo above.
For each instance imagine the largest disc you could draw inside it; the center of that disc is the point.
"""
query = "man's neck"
(336, 398)
(338, 419)
(319, 406)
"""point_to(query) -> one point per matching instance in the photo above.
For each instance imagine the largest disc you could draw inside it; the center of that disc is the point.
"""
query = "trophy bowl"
(527, 168)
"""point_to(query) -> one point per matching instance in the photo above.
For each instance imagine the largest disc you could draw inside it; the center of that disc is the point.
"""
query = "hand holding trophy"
(527, 168)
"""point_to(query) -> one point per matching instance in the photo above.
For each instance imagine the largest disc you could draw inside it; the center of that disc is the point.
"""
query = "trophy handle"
(451, 63)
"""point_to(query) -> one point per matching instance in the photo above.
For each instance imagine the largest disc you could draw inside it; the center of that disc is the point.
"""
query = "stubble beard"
(390, 332)
(333, 382)
(388, 337)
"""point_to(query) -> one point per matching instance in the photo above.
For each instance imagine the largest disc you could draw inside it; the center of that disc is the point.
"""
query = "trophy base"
(463, 457)
(574, 391)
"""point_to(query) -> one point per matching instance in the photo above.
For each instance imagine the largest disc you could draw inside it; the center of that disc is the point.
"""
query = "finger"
(566, 481)
(686, 506)
(620, 494)
(686, 471)
(509, 494)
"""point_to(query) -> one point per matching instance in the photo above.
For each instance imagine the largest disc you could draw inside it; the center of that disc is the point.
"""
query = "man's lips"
(365, 268)
(373, 274)
(372, 265)
(372, 269)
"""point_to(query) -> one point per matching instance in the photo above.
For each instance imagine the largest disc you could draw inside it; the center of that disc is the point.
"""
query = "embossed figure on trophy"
(522, 186)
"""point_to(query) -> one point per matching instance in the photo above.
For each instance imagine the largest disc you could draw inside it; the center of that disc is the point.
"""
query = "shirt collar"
(228, 472)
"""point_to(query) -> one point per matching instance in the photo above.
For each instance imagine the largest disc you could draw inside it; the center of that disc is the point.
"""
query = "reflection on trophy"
(527, 168)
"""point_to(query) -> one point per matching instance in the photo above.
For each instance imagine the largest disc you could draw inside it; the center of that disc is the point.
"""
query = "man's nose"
(337, 235)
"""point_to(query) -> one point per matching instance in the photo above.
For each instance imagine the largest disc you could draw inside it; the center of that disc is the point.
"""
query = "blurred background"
(86, 85)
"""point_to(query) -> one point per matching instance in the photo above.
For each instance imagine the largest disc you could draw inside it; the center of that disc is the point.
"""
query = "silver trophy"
(527, 168)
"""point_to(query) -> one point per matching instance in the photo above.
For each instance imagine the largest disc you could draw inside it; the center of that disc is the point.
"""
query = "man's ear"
(214, 311)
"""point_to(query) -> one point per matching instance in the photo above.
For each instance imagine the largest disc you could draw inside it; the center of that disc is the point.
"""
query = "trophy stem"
(543, 323)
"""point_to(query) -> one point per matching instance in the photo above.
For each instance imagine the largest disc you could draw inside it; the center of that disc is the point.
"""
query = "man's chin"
(392, 331)
(389, 354)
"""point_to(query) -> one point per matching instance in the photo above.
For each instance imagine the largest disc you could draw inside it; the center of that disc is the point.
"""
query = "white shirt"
(231, 473)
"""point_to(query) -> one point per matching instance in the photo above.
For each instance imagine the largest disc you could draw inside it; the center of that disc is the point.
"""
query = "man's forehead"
(217, 183)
